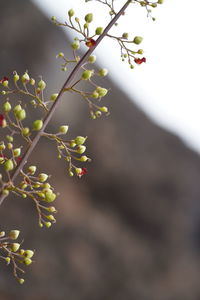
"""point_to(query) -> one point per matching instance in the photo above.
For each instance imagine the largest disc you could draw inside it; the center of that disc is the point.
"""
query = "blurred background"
(129, 229)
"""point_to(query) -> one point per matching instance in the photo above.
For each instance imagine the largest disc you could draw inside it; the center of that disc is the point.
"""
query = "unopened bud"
(89, 18)
(71, 13)
(87, 74)
(54, 97)
(137, 40)
(25, 78)
(8, 165)
(6, 107)
(13, 234)
(15, 247)
(79, 140)
(63, 129)
(42, 177)
(37, 125)
(41, 84)
(99, 30)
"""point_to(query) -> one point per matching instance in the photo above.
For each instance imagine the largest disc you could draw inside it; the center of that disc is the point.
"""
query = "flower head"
(139, 61)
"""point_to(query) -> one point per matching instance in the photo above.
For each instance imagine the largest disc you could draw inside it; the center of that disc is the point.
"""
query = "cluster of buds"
(71, 151)
(37, 188)
(12, 253)
(27, 86)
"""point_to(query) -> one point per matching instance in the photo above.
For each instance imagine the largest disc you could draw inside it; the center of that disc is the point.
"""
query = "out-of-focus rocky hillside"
(129, 229)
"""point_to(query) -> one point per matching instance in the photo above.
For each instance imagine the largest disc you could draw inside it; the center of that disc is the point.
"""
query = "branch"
(58, 100)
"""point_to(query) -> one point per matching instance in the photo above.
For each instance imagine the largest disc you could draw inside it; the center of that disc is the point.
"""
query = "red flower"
(2, 118)
(4, 79)
(90, 43)
(83, 172)
(139, 61)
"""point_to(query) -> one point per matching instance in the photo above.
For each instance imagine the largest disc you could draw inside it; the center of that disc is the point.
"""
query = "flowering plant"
(17, 176)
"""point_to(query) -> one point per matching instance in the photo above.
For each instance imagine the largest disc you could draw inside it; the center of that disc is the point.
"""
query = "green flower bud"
(2, 146)
(91, 59)
(140, 51)
(6, 107)
(41, 84)
(9, 138)
(51, 218)
(7, 259)
(137, 40)
(20, 115)
(84, 158)
(81, 149)
(42, 177)
(78, 170)
(125, 35)
(50, 196)
(47, 224)
(72, 144)
(54, 97)
(87, 74)
(13, 234)
(5, 83)
(71, 173)
(5, 192)
(89, 18)
(17, 152)
(10, 146)
(79, 140)
(25, 131)
(32, 169)
(52, 209)
(21, 280)
(53, 18)
(28, 253)
(46, 185)
(103, 72)
(15, 77)
(71, 13)
(25, 78)
(98, 113)
(32, 81)
(15, 247)
(101, 91)
(154, 5)
(75, 45)
(2, 234)
(104, 109)
(37, 125)
(95, 95)
(8, 165)
(160, 1)
(99, 30)
(17, 108)
(63, 129)
(27, 261)
(86, 25)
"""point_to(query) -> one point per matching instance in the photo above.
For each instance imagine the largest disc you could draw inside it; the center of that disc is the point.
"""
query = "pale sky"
(167, 87)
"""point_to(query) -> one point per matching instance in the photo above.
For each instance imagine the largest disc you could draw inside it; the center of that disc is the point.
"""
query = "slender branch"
(58, 100)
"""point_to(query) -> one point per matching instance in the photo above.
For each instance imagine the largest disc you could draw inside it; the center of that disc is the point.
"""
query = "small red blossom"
(83, 172)
(90, 43)
(2, 120)
(4, 79)
(139, 61)
(19, 158)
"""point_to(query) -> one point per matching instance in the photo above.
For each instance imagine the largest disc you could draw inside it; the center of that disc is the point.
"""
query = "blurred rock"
(127, 230)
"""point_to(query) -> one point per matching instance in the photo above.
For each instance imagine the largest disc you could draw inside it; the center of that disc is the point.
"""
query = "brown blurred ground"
(130, 228)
